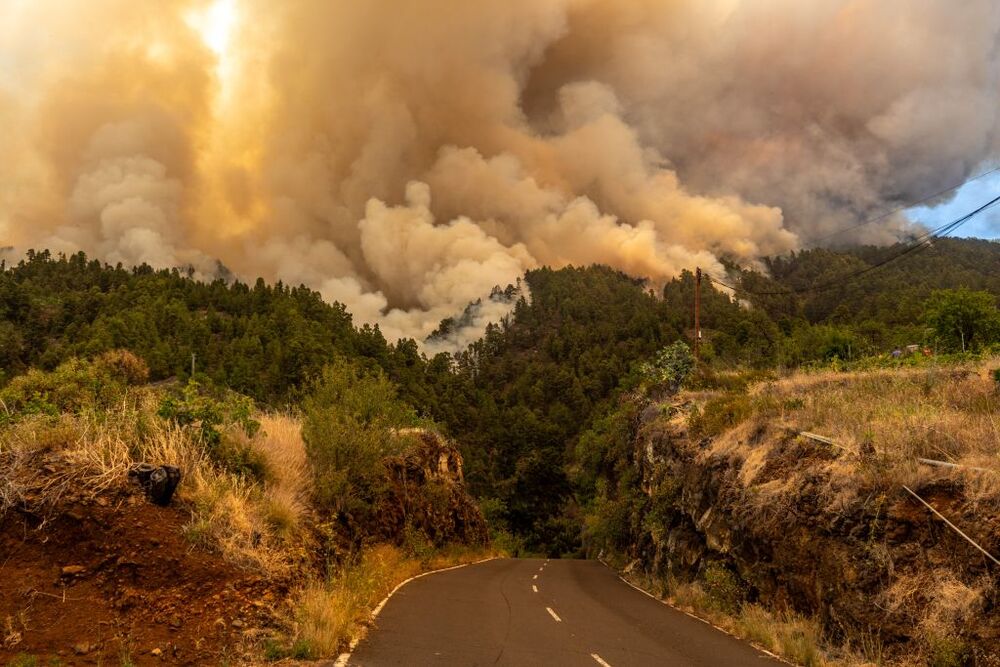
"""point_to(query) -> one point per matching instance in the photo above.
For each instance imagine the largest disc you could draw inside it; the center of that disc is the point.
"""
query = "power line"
(920, 243)
(904, 207)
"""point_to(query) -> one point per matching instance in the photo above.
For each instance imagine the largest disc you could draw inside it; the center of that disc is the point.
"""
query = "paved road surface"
(536, 612)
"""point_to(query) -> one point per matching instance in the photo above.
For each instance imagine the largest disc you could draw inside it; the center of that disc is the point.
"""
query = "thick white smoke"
(405, 156)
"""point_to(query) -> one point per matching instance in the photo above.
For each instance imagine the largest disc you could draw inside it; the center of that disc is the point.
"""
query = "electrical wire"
(904, 207)
(920, 243)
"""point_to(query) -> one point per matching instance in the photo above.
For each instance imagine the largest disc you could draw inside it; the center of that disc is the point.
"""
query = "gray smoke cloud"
(403, 156)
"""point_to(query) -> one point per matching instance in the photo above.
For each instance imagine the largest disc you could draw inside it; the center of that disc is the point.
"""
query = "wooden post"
(697, 313)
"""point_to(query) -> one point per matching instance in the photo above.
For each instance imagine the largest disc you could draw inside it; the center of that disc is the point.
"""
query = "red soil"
(115, 581)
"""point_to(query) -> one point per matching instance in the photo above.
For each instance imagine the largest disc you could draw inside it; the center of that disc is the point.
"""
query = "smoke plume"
(405, 156)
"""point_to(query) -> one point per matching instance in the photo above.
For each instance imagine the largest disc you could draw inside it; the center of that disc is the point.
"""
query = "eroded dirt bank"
(114, 581)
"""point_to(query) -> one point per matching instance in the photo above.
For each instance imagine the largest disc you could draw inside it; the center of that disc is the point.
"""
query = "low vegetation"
(295, 511)
(288, 420)
(333, 612)
(886, 419)
(879, 430)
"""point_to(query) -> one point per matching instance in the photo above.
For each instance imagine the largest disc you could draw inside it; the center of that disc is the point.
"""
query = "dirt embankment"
(111, 578)
(114, 581)
(798, 525)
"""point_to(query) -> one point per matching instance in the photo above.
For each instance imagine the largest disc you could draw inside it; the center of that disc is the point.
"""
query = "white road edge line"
(553, 614)
(599, 660)
(534, 588)
(697, 618)
(345, 657)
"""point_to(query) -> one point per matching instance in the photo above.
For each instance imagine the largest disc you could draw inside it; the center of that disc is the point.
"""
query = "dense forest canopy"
(529, 400)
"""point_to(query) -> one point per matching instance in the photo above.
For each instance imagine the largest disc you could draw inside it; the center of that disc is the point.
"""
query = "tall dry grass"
(950, 413)
(287, 495)
(882, 422)
(330, 614)
(250, 522)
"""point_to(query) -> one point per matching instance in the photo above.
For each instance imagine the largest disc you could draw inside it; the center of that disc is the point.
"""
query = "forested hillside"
(531, 384)
(813, 305)
(518, 399)
(261, 340)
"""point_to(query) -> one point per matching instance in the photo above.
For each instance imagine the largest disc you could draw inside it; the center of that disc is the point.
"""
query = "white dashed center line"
(553, 614)
(535, 577)
(599, 660)
(534, 588)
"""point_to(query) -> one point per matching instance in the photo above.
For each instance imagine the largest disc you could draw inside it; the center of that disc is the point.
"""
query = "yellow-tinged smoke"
(404, 156)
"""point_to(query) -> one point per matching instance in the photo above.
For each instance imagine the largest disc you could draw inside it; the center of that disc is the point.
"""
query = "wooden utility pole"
(697, 313)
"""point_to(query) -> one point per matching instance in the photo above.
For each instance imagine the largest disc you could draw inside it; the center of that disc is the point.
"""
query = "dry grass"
(250, 523)
(949, 413)
(946, 602)
(796, 639)
(881, 420)
(287, 498)
(330, 614)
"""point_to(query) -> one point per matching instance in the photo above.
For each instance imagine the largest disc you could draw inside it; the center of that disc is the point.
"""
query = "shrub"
(720, 414)
(214, 419)
(946, 651)
(670, 367)
(723, 587)
(73, 386)
(353, 419)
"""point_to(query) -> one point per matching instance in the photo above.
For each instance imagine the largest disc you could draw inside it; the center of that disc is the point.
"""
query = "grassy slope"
(882, 421)
(263, 525)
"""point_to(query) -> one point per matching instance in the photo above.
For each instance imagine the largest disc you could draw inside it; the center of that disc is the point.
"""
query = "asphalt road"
(536, 612)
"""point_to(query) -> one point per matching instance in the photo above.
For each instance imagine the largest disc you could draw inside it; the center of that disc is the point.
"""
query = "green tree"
(353, 419)
(963, 319)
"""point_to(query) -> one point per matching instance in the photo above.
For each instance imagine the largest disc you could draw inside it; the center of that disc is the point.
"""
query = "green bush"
(724, 588)
(213, 418)
(670, 367)
(417, 545)
(946, 651)
(74, 386)
(351, 421)
(720, 414)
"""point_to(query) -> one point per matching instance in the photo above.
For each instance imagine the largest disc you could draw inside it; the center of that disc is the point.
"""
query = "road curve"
(537, 612)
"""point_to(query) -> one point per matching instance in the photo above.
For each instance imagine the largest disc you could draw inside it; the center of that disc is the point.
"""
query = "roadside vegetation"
(292, 425)
(297, 512)
(925, 424)
(332, 613)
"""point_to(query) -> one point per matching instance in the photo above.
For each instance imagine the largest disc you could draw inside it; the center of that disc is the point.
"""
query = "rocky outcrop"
(799, 527)
(424, 490)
